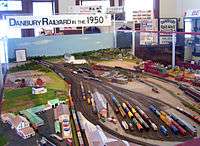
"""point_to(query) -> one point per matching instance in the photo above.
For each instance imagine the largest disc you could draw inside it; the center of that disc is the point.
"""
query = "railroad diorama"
(147, 104)
(125, 113)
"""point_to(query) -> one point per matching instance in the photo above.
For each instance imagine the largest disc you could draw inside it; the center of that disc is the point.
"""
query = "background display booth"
(192, 41)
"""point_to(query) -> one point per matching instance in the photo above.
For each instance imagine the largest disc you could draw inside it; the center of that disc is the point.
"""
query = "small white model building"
(38, 90)
(71, 59)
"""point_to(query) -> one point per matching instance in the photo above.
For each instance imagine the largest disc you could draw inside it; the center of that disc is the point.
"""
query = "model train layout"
(121, 112)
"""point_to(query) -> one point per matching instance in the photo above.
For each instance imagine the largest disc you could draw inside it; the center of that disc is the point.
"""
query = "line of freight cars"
(196, 118)
(195, 94)
(89, 98)
(76, 122)
(101, 67)
(77, 126)
(137, 117)
(176, 124)
(83, 91)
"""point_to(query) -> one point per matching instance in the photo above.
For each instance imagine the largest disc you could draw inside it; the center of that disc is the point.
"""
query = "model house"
(38, 90)
(20, 124)
(39, 87)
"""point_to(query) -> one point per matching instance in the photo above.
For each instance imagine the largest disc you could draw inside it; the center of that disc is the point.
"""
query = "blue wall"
(59, 45)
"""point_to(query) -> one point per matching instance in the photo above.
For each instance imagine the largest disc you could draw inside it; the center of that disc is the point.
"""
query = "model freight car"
(118, 105)
(137, 124)
(138, 117)
(163, 130)
(131, 126)
(80, 138)
(192, 130)
(180, 129)
(153, 126)
(83, 91)
(146, 118)
(174, 129)
(154, 110)
(94, 109)
(142, 122)
(61, 75)
(196, 118)
(130, 115)
(124, 125)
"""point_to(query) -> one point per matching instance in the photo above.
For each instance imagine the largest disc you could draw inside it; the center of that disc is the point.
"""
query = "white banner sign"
(115, 10)
(142, 15)
(25, 22)
(85, 9)
(164, 40)
(193, 13)
(149, 38)
(168, 25)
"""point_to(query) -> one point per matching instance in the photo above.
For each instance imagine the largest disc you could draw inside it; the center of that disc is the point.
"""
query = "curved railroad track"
(136, 98)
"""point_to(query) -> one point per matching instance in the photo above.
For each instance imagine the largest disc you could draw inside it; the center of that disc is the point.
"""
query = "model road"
(108, 90)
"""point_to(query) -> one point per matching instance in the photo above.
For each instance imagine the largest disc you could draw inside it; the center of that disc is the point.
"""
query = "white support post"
(114, 32)
(133, 42)
(82, 29)
(133, 39)
(173, 50)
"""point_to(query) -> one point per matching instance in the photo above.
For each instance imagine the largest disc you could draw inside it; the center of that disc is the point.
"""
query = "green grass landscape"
(22, 98)
(3, 140)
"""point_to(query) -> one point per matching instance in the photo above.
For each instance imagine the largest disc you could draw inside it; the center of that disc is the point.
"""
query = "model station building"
(71, 59)
(101, 104)
(62, 117)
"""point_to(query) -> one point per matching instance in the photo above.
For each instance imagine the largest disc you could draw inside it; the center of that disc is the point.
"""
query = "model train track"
(191, 92)
(105, 87)
(194, 94)
(80, 107)
(90, 117)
